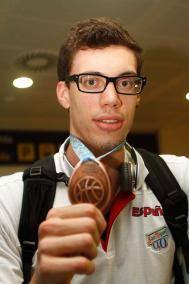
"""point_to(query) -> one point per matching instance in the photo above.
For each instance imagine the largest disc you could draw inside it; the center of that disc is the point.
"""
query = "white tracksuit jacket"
(140, 248)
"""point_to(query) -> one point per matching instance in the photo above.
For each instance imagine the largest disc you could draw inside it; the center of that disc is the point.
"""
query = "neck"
(112, 158)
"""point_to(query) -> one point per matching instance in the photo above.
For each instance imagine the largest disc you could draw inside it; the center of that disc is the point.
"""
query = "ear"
(138, 100)
(62, 92)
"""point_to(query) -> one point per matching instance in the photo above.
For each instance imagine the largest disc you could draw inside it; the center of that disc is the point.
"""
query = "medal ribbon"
(84, 153)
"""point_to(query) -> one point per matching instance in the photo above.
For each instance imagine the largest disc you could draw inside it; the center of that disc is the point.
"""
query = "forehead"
(111, 61)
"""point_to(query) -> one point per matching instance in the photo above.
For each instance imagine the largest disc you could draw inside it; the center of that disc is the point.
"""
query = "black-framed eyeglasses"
(96, 83)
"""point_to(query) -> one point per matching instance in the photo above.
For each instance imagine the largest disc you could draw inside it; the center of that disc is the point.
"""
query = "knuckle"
(43, 228)
(42, 246)
(84, 266)
(91, 211)
(52, 213)
(87, 240)
(90, 226)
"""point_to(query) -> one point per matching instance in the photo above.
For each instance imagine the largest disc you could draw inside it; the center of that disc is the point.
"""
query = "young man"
(100, 84)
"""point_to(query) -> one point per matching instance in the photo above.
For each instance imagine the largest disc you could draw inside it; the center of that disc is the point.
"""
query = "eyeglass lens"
(95, 83)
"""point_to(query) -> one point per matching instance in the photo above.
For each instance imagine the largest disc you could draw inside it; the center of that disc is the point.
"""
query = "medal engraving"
(90, 183)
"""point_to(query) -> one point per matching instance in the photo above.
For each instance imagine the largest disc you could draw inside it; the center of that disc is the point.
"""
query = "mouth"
(109, 124)
(109, 121)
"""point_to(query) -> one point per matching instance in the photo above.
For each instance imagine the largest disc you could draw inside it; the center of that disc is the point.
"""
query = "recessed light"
(23, 82)
(36, 60)
(187, 96)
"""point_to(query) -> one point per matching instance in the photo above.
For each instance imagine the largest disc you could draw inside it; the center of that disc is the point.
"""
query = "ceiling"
(35, 27)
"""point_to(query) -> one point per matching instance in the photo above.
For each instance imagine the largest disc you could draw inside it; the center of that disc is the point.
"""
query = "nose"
(110, 97)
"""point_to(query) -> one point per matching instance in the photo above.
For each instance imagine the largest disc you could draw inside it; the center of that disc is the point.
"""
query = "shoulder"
(179, 166)
(173, 159)
(8, 179)
(11, 189)
(11, 192)
(11, 183)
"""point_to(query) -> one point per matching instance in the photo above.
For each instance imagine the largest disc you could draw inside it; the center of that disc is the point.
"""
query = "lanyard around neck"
(84, 153)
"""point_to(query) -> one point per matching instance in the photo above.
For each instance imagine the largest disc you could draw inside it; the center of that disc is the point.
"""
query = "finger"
(61, 266)
(80, 210)
(63, 227)
(74, 245)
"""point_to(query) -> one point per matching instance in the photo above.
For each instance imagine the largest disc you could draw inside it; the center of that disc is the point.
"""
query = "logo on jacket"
(147, 211)
(158, 240)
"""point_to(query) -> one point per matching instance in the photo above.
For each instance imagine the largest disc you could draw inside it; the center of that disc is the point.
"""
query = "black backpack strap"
(38, 196)
(174, 202)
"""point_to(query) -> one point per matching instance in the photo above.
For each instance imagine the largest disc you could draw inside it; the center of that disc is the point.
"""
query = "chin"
(105, 146)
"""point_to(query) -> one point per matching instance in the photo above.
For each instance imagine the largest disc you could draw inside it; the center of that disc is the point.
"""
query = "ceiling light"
(23, 82)
(187, 96)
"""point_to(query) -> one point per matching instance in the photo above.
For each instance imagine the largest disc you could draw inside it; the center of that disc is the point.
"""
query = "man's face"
(100, 120)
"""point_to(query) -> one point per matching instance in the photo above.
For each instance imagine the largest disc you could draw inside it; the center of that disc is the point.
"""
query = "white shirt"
(135, 254)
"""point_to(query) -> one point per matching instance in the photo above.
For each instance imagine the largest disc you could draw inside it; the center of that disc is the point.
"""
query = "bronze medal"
(90, 183)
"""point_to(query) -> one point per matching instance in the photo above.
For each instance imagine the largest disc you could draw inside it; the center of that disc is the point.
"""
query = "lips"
(109, 123)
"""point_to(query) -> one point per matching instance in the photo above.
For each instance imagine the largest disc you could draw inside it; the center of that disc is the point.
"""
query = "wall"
(6, 170)
(174, 140)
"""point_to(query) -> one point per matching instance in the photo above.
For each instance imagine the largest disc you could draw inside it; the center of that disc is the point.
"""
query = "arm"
(68, 241)
(10, 250)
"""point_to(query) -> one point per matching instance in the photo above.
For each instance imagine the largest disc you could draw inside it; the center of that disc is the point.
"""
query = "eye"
(91, 81)
(125, 82)
(129, 85)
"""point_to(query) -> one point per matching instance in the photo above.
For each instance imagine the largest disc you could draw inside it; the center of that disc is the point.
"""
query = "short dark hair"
(95, 33)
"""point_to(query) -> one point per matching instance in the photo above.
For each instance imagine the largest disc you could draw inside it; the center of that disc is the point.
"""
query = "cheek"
(83, 103)
(81, 108)
(130, 104)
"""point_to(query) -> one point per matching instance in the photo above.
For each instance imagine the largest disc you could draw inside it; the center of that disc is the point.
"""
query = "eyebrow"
(127, 73)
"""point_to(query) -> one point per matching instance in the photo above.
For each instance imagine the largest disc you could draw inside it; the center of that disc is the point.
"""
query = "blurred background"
(32, 124)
